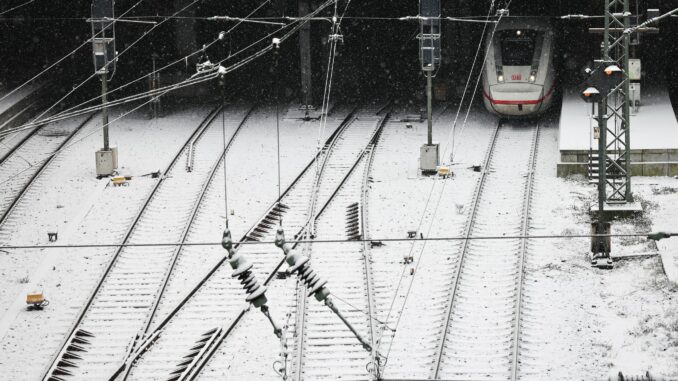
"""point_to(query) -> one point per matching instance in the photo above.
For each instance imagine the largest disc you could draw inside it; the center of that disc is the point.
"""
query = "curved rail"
(63, 358)
(367, 261)
(45, 163)
(193, 373)
(19, 144)
(158, 330)
(364, 160)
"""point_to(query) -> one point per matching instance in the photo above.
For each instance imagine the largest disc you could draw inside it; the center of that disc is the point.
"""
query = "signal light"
(612, 69)
(591, 91)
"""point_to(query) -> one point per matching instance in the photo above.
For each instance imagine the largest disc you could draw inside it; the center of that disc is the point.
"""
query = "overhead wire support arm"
(651, 21)
(256, 293)
(111, 19)
(314, 283)
(242, 19)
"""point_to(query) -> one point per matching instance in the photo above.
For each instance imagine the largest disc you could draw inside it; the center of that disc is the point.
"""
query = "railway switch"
(256, 293)
(300, 264)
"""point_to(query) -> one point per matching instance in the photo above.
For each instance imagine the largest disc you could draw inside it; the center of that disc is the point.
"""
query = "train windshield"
(517, 47)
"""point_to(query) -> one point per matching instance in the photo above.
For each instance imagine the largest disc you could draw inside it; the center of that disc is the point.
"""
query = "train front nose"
(516, 99)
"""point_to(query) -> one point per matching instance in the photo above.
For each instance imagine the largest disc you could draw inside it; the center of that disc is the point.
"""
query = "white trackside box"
(635, 69)
(429, 159)
(106, 161)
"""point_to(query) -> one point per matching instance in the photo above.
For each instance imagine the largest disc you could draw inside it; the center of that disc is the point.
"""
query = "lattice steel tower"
(617, 110)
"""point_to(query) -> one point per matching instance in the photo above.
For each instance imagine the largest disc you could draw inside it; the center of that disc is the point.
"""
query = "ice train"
(519, 78)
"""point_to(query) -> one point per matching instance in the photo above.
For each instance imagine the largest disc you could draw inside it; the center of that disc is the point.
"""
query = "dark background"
(379, 58)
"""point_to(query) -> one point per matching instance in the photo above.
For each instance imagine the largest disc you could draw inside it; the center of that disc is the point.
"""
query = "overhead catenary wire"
(324, 109)
(16, 7)
(223, 132)
(163, 91)
(96, 130)
(271, 20)
(130, 46)
(452, 131)
(650, 21)
(50, 67)
(182, 59)
(649, 235)
(207, 76)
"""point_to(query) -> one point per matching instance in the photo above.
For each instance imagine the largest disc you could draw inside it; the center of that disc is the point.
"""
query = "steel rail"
(83, 312)
(467, 233)
(527, 203)
(43, 166)
(157, 332)
(191, 374)
(367, 262)
(225, 332)
(187, 227)
(23, 140)
(301, 305)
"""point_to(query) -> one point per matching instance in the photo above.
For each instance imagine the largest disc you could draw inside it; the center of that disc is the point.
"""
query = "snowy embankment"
(70, 200)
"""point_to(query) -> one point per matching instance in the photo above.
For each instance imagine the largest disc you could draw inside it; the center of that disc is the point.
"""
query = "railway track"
(324, 348)
(480, 339)
(24, 163)
(119, 311)
(192, 345)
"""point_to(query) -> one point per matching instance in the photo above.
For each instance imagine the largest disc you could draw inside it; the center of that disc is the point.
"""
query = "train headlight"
(532, 78)
(500, 77)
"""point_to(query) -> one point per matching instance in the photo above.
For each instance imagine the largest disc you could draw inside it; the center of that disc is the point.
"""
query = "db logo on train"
(517, 77)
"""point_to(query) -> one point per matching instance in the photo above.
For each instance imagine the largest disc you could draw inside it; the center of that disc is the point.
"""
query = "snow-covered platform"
(654, 134)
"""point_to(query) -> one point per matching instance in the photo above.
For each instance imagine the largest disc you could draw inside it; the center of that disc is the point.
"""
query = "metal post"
(626, 124)
(154, 86)
(104, 111)
(602, 159)
(305, 56)
(616, 50)
(429, 106)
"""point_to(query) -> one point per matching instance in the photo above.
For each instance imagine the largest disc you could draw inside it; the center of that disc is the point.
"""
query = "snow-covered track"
(193, 345)
(324, 347)
(118, 311)
(175, 333)
(342, 160)
(29, 158)
(481, 333)
(12, 147)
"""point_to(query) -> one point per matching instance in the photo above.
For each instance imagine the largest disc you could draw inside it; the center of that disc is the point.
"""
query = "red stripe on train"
(523, 102)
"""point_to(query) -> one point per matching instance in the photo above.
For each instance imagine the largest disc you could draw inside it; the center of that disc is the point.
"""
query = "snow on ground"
(244, 361)
(69, 199)
(658, 125)
(584, 323)
(397, 200)
(252, 188)
(579, 322)
(662, 196)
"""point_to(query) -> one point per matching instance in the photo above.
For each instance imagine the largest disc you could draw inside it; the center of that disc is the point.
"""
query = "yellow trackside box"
(35, 298)
(119, 180)
(443, 171)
